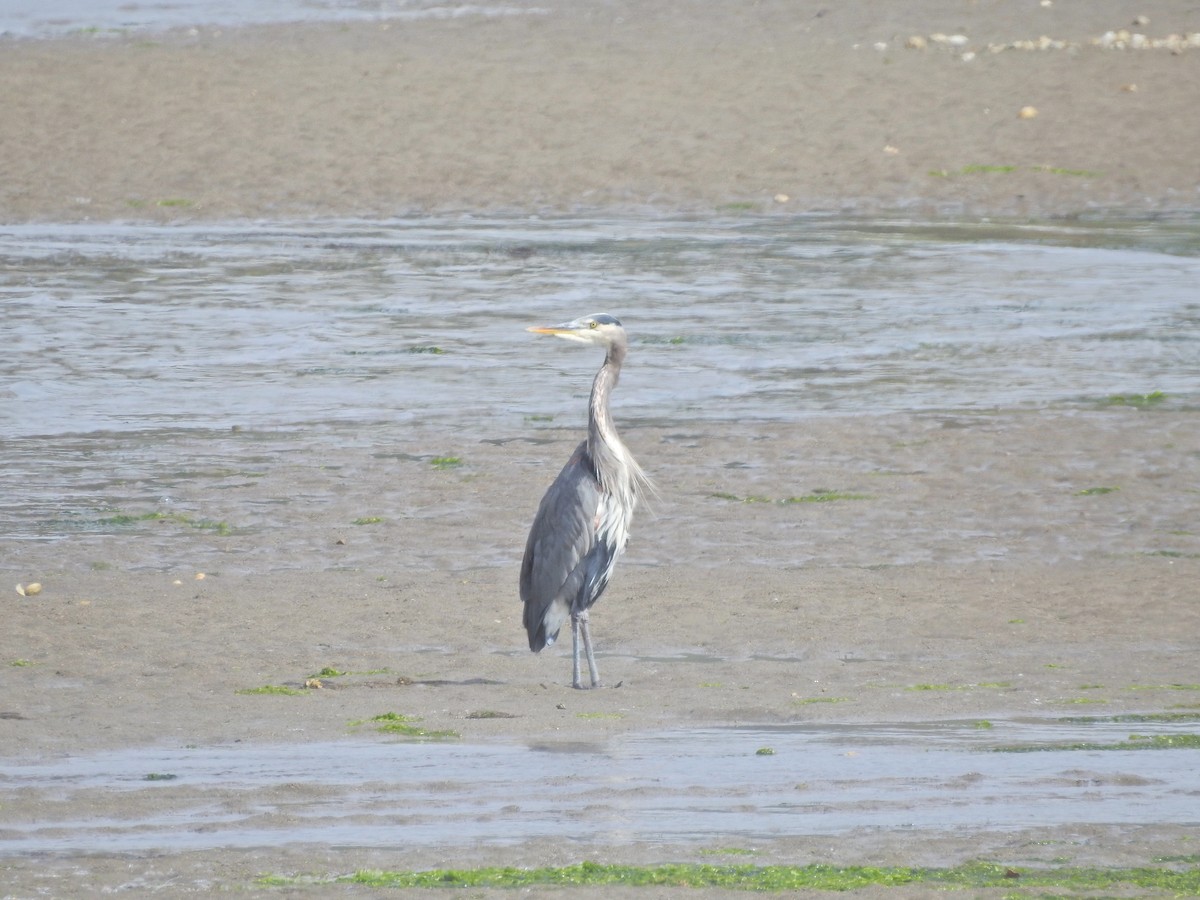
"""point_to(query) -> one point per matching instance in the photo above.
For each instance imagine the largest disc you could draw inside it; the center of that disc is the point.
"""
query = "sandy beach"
(572, 107)
(983, 581)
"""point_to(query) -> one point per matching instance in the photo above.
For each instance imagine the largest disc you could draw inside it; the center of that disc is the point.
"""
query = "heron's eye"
(593, 324)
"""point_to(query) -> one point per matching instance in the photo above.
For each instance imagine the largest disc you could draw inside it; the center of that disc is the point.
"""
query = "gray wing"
(564, 568)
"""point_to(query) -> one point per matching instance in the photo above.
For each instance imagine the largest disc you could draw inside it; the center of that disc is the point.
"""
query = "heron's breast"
(613, 519)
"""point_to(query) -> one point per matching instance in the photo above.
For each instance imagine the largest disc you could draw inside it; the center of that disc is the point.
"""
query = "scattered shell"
(313, 684)
(890, 150)
(176, 581)
(916, 42)
(952, 40)
(200, 576)
(968, 56)
(1122, 39)
(1129, 88)
(1046, 4)
(1028, 112)
(29, 590)
(880, 46)
(1141, 21)
(782, 198)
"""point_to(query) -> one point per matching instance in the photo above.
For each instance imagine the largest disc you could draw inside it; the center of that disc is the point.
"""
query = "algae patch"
(815, 877)
(404, 726)
(122, 519)
(272, 689)
(1133, 742)
(821, 495)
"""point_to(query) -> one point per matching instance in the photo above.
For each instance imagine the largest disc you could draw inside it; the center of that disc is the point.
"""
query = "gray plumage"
(582, 523)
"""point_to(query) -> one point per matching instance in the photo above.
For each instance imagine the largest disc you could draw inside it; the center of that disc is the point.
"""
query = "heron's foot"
(580, 686)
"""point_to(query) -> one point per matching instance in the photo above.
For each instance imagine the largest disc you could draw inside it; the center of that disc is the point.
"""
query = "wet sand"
(976, 582)
(972, 581)
(576, 107)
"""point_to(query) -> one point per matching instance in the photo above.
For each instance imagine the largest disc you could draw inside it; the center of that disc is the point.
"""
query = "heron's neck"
(604, 444)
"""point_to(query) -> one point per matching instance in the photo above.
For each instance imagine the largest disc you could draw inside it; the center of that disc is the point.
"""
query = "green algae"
(121, 519)
(825, 496)
(280, 689)
(403, 726)
(328, 672)
(1139, 401)
(817, 496)
(1135, 717)
(1133, 742)
(984, 685)
(779, 879)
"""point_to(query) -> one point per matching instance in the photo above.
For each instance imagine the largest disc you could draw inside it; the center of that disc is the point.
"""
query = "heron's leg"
(587, 647)
(575, 651)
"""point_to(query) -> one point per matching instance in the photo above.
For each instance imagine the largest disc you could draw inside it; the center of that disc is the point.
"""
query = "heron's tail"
(543, 630)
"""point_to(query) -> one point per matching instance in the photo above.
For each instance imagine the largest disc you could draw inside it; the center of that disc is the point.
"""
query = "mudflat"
(979, 567)
(573, 107)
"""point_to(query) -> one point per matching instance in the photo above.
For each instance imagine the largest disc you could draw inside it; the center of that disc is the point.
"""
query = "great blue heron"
(582, 523)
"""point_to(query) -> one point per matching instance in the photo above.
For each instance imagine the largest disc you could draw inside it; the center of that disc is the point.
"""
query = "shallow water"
(705, 785)
(141, 358)
(103, 18)
(117, 329)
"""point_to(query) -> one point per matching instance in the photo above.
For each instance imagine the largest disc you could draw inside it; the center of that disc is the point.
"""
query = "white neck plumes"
(617, 470)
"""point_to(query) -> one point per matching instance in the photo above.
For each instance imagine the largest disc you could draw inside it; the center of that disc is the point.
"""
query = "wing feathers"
(564, 566)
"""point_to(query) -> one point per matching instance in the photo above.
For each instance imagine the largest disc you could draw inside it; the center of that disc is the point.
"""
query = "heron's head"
(601, 330)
